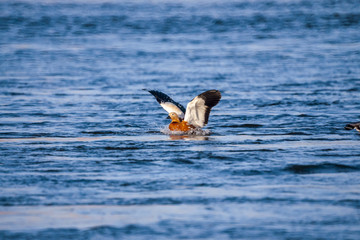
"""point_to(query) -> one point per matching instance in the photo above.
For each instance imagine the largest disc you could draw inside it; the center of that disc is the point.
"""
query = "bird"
(196, 114)
(351, 126)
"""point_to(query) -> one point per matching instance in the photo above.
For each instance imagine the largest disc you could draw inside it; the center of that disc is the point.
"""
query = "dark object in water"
(351, 126)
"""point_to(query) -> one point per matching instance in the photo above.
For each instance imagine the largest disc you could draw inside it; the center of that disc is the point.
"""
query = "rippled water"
(83, 149)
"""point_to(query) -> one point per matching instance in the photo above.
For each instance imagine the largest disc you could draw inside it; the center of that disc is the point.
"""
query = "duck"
(197, 112)
(351, 126)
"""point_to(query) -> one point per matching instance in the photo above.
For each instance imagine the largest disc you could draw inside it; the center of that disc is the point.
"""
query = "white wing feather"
(195, 112)
(168, 103)
(170, 107)
(198, 110)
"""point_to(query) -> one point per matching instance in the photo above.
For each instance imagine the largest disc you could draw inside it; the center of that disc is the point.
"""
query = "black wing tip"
(163, 98)
(213, 92)
(159, 96)
(211, 97)
(152, 91)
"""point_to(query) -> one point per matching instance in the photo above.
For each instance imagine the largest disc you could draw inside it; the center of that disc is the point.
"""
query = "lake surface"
(84, 151)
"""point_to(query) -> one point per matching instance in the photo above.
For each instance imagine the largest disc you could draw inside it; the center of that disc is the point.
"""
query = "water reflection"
(188, 137)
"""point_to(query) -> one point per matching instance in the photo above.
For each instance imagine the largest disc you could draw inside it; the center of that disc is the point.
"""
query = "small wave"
(15, 94)
(354, 89)
(298, 133)
(245, 125)
(320, 168)
(110, 231)
(317, 103)
(100, 132)
(54, 139)
(182, 161)
(121, 148)
(49, 170)
(252, 172)
(304, 115)
(277, 103)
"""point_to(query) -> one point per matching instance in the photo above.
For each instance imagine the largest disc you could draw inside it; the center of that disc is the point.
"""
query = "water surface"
(83, 151)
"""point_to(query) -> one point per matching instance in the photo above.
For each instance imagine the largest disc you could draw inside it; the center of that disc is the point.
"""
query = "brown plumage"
(178, 125)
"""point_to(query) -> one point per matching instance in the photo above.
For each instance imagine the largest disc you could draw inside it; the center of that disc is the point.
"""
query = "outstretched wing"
(352, 126)
(167, 103)
(198, 110)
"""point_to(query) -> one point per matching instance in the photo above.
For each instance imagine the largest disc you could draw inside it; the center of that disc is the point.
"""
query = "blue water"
(83, 149)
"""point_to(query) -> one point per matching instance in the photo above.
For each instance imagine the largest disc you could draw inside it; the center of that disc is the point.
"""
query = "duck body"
(179, 125)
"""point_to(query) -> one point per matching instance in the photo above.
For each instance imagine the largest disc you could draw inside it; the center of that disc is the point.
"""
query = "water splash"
(194, 132)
